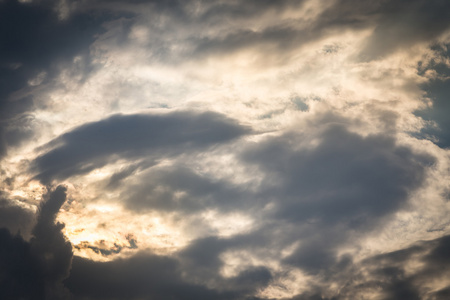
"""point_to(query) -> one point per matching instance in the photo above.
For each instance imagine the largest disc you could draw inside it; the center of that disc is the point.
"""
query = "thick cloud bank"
(239, 149)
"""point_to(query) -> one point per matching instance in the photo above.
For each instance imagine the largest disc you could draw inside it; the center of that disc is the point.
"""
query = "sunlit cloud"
(225, 149)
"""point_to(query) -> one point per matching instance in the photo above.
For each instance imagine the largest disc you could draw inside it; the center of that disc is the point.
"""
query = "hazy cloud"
(257, 149)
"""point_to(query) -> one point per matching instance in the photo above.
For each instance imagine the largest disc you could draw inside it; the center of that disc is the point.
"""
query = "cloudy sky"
(225, 149)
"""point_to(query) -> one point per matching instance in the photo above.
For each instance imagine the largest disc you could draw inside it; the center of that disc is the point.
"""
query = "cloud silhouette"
(36, 269)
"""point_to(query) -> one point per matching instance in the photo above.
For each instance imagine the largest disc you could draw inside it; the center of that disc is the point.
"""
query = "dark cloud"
(19, 271)
(16, 219)
(41, 41)
(149, 275)
(397, 24)
(95, 144)
(153, 277)
(323, 187)
(50, 246)
(345, 175)
(122, 174)
(323, 196)
(243, 10)
(408, 273)
(390, 271)
(34, 40)
(34, 45)
(403, 24)
(345, 179)
(203, 256)
(116, 179)
(346, 183)
(277, 39)
(442, 294)
(182, 189)
(16, 123)
(213, 14)
(438, 90)
(35, 269)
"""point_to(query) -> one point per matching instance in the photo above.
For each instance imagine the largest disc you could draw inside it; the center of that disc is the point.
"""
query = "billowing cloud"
(343, 184)
(402, 274)
(35, 269)
(224, 149)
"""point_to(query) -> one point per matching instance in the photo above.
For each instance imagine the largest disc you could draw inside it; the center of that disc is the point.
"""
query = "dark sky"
(257, 149)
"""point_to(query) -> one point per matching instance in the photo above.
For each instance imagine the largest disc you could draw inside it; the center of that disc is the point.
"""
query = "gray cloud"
(95, 144)
(119, 176)
(20, 273)
(50, 246)
(154, 277)
(146, 274)
(403, 24)
(34, 41)
(389, 271)
(182, 189)
(35, 269)
(344, 174)
(323, 196)
(345, 178)
(395, 24)
(438, 90)
(386, 276)
(398, 24)
(322, 186)
(346, 183)
(16, 219)
(43, 41)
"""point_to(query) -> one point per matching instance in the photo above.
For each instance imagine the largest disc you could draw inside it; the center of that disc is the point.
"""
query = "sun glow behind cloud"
(265, 149)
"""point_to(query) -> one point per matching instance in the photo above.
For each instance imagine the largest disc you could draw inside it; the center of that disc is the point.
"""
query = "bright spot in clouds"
(225, 149)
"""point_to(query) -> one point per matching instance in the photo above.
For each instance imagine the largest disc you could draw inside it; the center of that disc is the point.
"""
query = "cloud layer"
(224, 150)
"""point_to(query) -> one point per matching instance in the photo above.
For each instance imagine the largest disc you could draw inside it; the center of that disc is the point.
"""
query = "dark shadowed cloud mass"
(35, 269)
(129, 137)
(294, 150)
(35, 44)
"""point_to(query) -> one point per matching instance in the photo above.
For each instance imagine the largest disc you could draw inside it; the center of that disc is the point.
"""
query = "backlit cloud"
(224, 149)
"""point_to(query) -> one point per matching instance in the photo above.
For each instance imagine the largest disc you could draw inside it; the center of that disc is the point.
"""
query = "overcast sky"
(225, 149)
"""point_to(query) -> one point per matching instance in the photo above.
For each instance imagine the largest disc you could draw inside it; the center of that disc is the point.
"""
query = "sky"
(225, 149)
